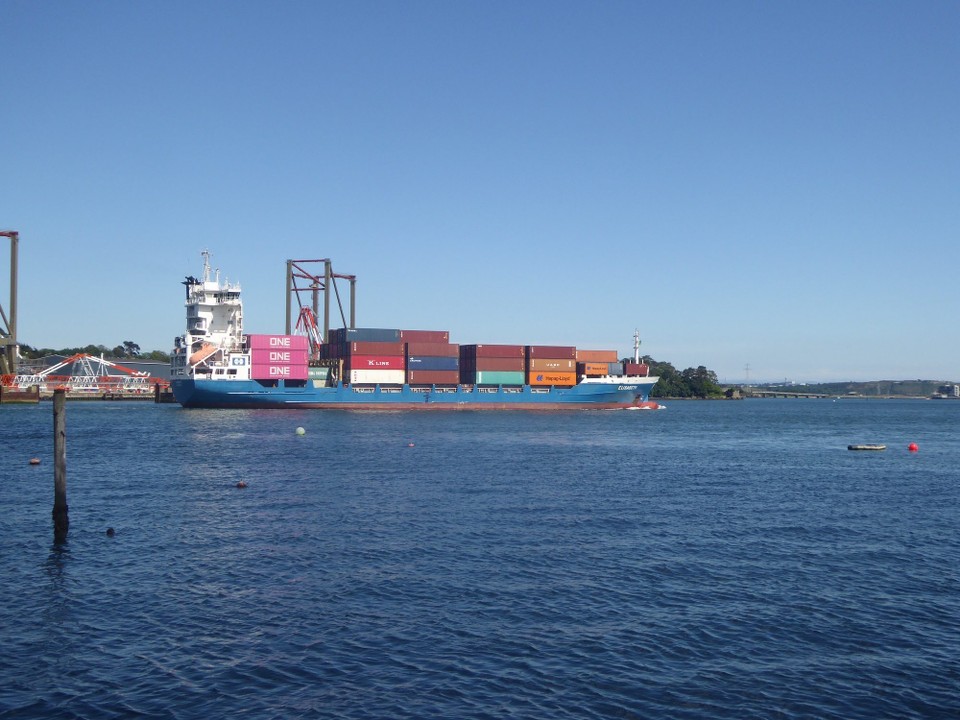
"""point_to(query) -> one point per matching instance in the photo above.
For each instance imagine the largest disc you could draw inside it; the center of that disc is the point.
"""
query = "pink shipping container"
(279, 357)
(377, 377)
(376, 362)
(266, 371)
(552, 351)
(277, 342)
(432, 349)
(426, 336)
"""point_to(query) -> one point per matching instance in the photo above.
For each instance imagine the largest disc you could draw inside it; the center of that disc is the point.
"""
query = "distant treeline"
(696, 382)
(874, 388)
(127, 350)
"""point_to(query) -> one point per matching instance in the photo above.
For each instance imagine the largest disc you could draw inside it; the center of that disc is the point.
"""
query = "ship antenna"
(636, 346)
(206, 265)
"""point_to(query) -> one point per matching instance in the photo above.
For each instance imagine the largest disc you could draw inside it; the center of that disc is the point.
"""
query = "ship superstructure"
(213, 340)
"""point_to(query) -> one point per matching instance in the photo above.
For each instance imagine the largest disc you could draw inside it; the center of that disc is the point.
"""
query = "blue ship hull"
(199, 393)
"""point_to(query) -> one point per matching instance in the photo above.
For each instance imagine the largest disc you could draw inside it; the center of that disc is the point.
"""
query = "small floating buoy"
(301, 431)
(111, 532)
(34, 461)
(241, 484)
(913, 447)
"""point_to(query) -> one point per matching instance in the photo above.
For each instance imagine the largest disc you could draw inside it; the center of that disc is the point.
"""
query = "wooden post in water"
(61, 522)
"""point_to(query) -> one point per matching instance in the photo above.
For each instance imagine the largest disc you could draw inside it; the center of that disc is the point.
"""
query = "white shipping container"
(377, 377)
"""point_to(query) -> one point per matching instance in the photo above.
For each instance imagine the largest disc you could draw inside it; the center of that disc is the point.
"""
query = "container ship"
(215, 364)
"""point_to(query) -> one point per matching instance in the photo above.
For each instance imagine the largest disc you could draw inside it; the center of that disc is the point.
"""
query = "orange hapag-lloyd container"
(595, 369)
(546, 377)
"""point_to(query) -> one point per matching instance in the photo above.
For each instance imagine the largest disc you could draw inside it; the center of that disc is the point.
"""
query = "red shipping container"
(266, 371)
(375, 348)
(636, 369)
(277, 342)
(376, 362)
(552, 351)
(433, 377)
(432, 349)
(425, 336)
(492, 351)
(496, 364)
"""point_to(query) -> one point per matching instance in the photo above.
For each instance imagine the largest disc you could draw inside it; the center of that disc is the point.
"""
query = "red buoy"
(913, 447)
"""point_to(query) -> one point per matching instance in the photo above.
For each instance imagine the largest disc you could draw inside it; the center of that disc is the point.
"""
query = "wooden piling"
(61, 521)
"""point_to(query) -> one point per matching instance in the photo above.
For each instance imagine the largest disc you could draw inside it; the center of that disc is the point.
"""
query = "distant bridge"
(753, 392)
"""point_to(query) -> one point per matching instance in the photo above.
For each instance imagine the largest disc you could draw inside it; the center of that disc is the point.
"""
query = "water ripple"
(700, 563)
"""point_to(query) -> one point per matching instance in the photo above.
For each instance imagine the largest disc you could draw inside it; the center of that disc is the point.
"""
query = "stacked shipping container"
(551, 365)
(430, 362)
(387, 356)
(492, 364)
(597, 363)
(278, 357)
(384, 356)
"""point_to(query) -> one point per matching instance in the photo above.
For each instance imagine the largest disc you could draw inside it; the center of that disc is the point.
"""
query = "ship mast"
(636, 346)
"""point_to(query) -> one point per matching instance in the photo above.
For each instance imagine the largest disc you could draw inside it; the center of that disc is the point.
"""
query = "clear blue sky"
(772, 184)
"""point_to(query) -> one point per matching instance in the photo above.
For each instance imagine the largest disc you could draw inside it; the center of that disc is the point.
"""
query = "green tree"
(701, 383)
(693, 382)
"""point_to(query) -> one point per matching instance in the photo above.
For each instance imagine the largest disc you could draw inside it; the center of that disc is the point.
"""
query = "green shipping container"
(318, 373)
(499, 377)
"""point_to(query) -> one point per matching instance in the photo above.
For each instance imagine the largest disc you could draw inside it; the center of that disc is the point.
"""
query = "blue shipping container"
(350, 335)
(429, 362)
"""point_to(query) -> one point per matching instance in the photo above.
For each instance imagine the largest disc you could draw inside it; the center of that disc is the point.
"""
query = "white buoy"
(301, 431)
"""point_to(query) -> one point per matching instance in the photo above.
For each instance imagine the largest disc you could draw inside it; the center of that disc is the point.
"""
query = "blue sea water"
(712, 560)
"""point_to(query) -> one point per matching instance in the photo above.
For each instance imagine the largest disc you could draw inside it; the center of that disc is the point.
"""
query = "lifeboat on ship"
(205, 351)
